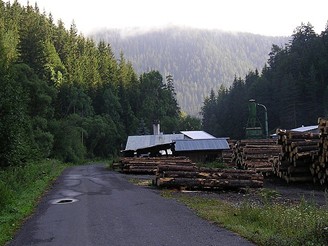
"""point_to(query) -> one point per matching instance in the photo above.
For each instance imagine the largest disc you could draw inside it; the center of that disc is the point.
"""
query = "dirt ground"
(275, 190)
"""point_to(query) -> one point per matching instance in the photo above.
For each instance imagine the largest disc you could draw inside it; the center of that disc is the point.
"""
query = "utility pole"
(265, 119)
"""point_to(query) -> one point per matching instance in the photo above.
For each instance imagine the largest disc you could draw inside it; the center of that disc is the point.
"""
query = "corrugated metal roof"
(145, 141)
(201, 144)
(197, 135)
(305, 128)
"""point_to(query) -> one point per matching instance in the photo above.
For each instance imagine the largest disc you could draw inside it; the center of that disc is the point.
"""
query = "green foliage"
(189, 123)
(15, 142)
(158, 103)
(199, 60)
(293, 87)
(142, 129)
(68, 139)
(271, 224)
(102, 136)
(62, 95)
(20, 189)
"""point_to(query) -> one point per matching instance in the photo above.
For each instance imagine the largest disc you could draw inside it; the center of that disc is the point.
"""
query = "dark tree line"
(64, 96)
(293, 85)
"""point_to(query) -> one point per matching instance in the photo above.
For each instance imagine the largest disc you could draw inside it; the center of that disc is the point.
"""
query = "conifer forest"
(293, 85)
(68, 97)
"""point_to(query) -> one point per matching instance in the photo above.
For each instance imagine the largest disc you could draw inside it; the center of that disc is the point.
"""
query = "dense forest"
(69, 97)
(199, 60)
(66, 97)
(293, 86)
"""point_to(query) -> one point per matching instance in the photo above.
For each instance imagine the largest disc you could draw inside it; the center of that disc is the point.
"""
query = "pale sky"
(274, 18)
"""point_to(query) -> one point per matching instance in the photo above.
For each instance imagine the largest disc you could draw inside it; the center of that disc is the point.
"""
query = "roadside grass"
(269, 224)
(20, 190)
(109, 162)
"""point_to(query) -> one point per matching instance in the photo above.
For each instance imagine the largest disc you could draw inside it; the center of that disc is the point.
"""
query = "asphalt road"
(109, 210)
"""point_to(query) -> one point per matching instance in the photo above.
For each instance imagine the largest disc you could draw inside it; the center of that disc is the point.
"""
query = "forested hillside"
(199, 60)
(293, 86)
(66, 97)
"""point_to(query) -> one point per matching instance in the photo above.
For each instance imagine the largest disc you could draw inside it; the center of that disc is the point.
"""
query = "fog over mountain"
(199, 60)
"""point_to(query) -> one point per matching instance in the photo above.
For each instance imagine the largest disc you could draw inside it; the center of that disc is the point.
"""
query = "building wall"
(201, 156)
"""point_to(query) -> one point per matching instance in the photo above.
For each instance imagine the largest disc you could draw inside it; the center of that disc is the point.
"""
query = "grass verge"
(20, 190)
(268, 224)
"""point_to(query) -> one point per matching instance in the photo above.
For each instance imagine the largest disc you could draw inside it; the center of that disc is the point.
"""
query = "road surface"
(89, 205)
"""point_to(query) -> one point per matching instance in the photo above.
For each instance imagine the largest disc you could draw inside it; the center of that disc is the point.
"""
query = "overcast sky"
(274, 17)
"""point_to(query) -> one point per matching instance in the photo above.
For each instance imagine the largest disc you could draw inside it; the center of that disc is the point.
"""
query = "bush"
(6, 195)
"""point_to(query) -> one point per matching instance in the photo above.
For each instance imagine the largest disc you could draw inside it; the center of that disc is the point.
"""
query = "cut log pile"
(227, 155)
(299, 152)
(256, 154)
(148, 165)
(319, 168)
(195, 178)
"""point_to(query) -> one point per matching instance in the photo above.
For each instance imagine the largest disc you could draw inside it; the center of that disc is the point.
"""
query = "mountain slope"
(199, 60)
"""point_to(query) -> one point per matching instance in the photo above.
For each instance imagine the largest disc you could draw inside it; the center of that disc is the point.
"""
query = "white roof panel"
(305, 128)
(197, 135)
(201, 144)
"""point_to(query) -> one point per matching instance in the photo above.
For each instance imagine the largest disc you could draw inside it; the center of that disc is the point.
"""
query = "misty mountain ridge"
(198, 59)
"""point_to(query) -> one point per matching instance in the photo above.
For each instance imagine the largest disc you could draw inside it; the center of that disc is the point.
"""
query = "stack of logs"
(319, 168)
(148, 165)
(193, 177)
(299, 152)
(227, 155)
(256, 154)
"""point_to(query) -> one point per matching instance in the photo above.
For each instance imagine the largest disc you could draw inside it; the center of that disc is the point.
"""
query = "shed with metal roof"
(150, 143)
(201, 150)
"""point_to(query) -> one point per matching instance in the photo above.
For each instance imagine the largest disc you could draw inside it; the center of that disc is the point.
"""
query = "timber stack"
(319, 168)
(227, 155)
(200, 178)
(148, 165)
(256, 154)
(299, 152)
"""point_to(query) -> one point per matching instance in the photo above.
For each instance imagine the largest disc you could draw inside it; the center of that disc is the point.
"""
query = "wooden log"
(304, 148)
(312, 142)
(262, 156)
(303, 155)
(263, 169)
(206, 175)
(298, 179)
(293, 169)
(208, 183)
(215, 170)
(302, 135)
(139, 164)
(322, 181)
(257, 164)
(139, 171)
(162, 168)
(257, 142)
(261, 151)
(140, 167)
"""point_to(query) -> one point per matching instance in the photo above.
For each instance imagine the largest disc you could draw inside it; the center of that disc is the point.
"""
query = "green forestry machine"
(254, 128)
